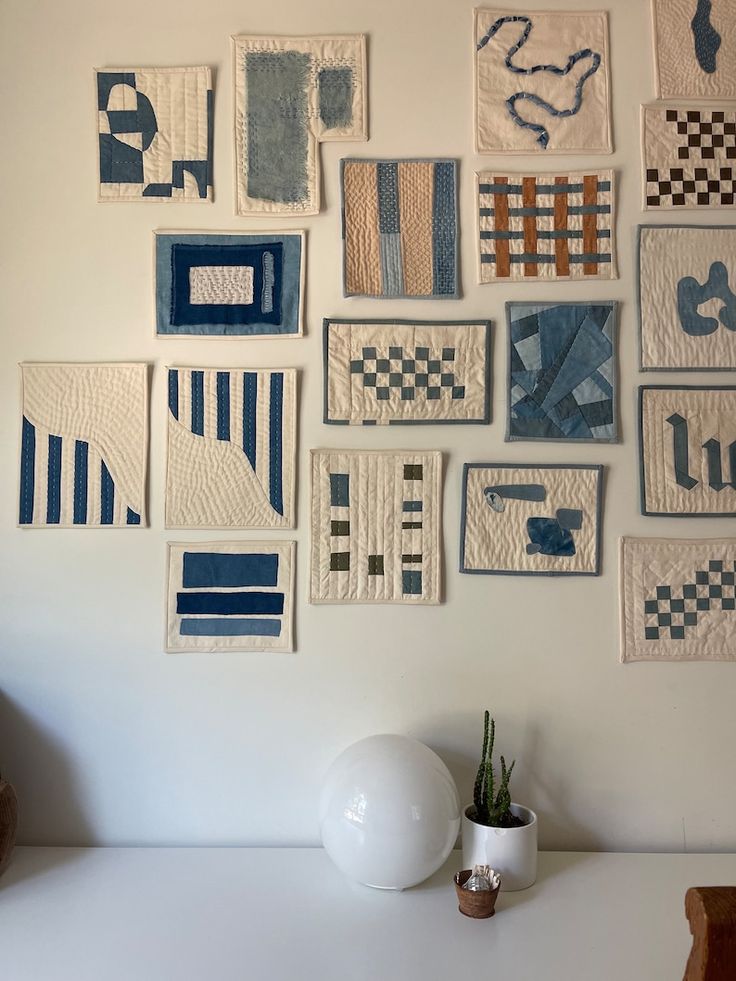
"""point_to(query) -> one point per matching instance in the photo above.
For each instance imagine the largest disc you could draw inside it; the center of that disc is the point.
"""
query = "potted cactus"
(496, 831)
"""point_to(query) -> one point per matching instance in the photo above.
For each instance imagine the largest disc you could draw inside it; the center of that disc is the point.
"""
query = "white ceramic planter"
(510, 851)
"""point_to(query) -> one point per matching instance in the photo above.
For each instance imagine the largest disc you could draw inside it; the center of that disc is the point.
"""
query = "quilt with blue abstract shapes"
(678, 599)
(230, 596)
(84, 435)
(531, 519)
(231, 448)
(229, 285)
(561, 371)
(376, 527)
(291, 94)
(155, 134)
(687, 297)
(695, 48)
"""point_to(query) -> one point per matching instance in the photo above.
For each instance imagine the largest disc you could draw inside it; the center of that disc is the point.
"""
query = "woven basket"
(479, 905)
(8, 822)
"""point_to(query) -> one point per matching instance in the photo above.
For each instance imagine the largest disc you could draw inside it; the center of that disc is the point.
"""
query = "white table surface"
(173, 914)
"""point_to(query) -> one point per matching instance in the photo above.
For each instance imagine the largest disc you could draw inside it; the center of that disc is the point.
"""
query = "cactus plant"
(493, 802)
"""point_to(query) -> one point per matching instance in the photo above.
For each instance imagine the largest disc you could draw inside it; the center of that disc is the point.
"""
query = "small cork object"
(478, 904)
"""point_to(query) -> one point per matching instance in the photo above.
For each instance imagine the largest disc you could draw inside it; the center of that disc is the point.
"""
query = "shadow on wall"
(559, 830)
(44, 781)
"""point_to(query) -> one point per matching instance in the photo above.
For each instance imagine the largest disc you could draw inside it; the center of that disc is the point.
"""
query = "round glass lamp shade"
(389, 812)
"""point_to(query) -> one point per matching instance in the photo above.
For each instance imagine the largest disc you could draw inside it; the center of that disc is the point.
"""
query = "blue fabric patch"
(223, 405)
(335, 96)
(231, 627)
(184, 257)
(226, 603)
(706, 38)
(548, 537)
(81, 455)
(276, 442)
(277, 118)
(107, 496)
(561, 371)
(250, 404)
(223, 569)
(27, 472)
(174, 392)
(198, 403)
(340, 490)
(690, 295)
(53, 493)
(411, 582)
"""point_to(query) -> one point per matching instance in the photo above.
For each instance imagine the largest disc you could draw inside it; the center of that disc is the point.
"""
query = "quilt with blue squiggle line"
(542, 82)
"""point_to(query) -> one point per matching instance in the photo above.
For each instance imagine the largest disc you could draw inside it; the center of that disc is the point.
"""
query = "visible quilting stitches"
(691, 295)
(399, 228)
(375, 527)
(221, 285)
(561, 371)
(688, 449)
(155, 134)
(413, 373)
(706, 38)
(673, 609)
(678, 599)
(572, 61)
(527, 520)
(230, 448)
(391, 372)
(683, 269)
(689, 157)
(92, 417)
(230, 596)
(292, 93)
(544, 227)
(229, 284)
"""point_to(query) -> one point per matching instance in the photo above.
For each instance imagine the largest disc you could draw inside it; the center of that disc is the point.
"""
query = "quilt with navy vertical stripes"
(231, 442)
(83, 445)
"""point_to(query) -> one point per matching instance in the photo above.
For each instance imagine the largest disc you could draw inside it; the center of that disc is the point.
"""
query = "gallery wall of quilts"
(366, 366)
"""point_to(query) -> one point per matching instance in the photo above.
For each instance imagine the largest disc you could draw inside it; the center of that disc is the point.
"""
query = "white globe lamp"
(389, 812)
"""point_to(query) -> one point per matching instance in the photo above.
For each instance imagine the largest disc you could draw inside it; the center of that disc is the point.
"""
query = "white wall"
(110, 741)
